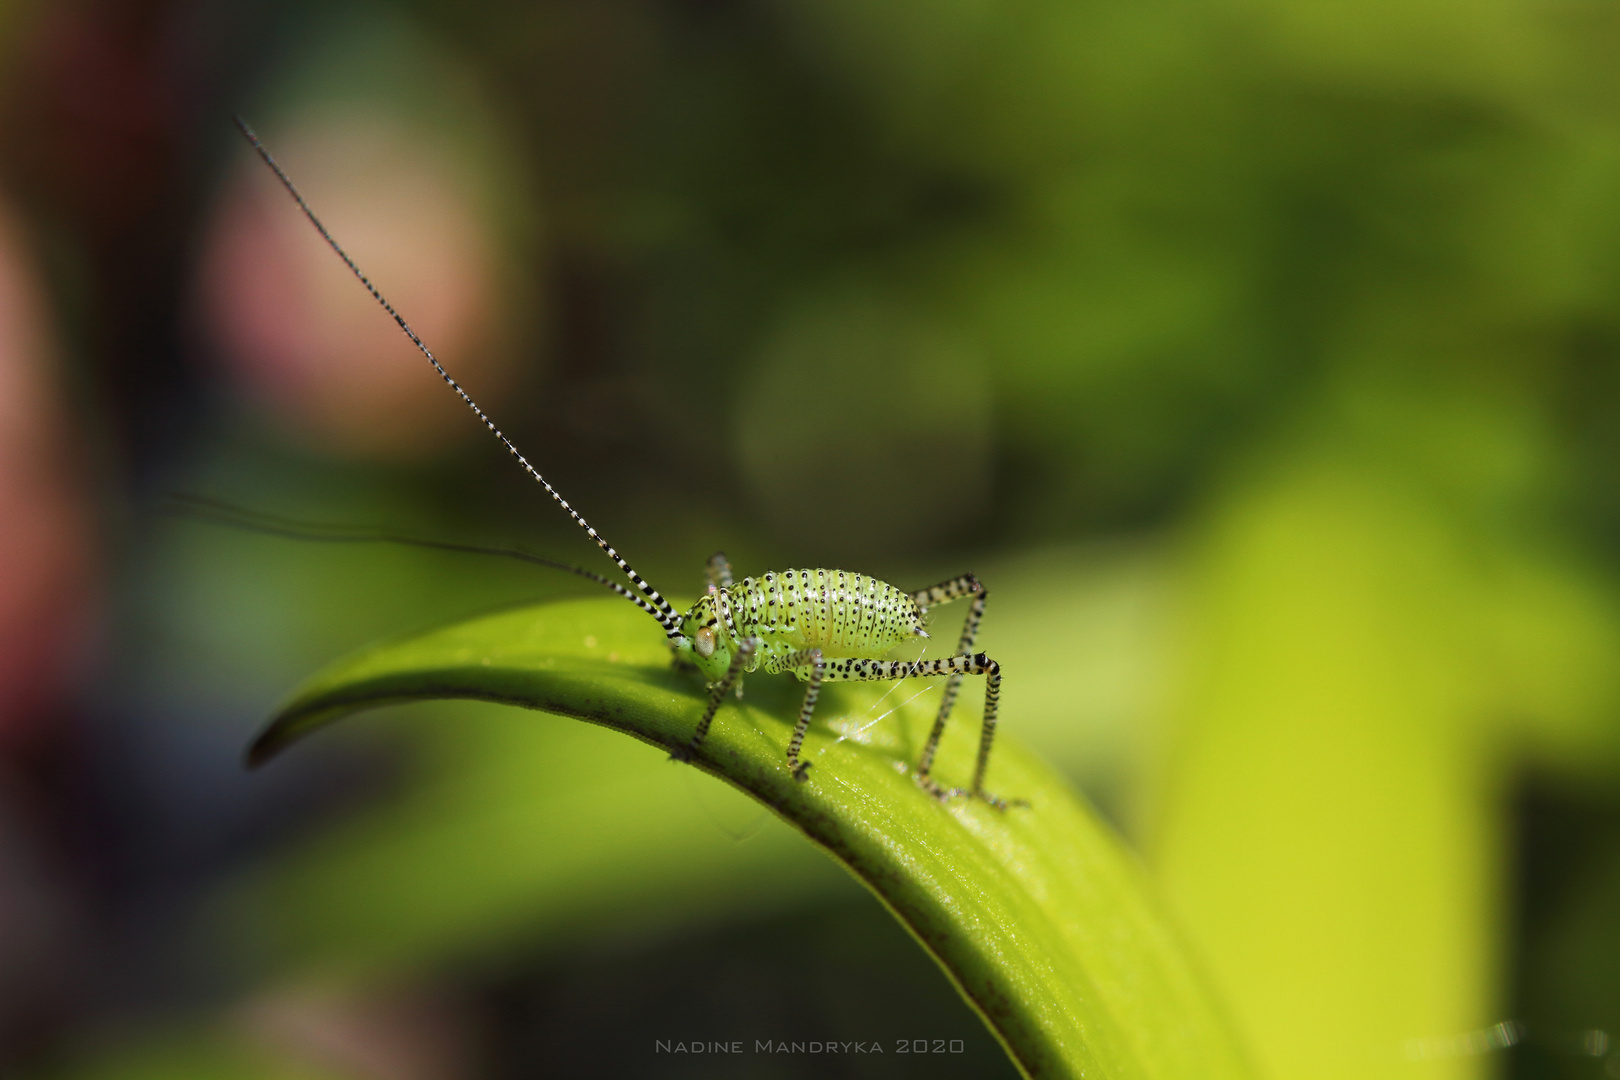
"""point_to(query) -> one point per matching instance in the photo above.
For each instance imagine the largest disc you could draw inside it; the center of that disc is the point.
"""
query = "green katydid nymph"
(819, 625)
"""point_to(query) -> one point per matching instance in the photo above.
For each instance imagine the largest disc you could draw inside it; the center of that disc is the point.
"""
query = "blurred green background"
(1262, 357)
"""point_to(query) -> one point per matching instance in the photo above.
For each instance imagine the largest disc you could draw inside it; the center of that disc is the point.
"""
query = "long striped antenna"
(660, 608)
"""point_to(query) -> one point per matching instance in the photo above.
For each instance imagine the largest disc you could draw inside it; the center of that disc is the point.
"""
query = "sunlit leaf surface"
(1037, 914)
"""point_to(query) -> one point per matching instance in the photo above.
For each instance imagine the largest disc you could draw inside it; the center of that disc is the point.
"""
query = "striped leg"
(955, 588)
(946, 591)
(739, 660)
(808, 658)
(719, 572)
(956, 667)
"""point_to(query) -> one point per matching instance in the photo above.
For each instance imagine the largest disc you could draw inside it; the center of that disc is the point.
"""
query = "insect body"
(831, 625)
(819, 625)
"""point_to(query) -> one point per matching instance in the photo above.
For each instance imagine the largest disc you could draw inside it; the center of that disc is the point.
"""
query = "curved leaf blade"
(1037, 914)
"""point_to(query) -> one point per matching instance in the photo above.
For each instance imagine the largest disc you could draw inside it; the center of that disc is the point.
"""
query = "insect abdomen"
(841, 613)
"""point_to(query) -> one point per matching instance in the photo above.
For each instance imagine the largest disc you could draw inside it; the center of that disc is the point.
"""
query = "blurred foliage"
(1357, 661)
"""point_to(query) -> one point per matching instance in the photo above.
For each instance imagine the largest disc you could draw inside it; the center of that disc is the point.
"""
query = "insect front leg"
(719, 569)
(717, 693)
(810, 658)
(719, 572)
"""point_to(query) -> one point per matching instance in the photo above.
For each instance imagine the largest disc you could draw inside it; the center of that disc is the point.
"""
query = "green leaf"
(1037, 914)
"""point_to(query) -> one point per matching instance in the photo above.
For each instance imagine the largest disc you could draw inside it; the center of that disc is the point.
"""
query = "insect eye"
(704, 642)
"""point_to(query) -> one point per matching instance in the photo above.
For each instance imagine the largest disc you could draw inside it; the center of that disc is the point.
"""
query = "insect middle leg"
(805, 660)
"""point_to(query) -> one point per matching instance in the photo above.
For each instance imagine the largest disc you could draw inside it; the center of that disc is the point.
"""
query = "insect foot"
(945, 794)
(996, 802)
(801, 770)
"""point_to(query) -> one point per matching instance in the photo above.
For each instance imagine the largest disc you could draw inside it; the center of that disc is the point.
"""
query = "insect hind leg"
(944, 592)
(954, 667)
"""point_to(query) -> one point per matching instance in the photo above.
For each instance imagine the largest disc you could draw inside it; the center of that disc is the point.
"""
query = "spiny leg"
(955, 666)
(987, 731)
(944, 592)
(810, 658)
(717, 693)
(719, 572)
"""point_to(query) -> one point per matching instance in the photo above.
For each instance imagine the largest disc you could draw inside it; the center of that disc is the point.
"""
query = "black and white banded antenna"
(657, 606)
